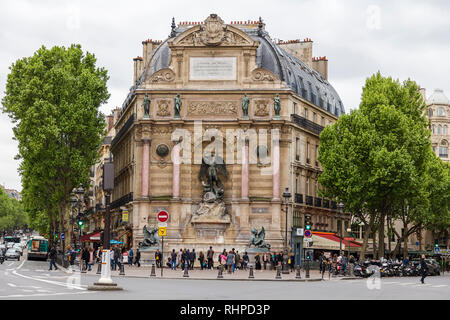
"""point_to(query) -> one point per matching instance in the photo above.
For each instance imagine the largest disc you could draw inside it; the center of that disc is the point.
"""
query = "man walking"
(192, 257)
(130, 257)
(209, 256)
(138, 258)
(423, 268)
(52, 255)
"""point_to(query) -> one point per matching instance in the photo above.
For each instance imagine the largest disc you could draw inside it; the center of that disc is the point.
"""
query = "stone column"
(276, 170)
(244, 173)
(145, 166)
(176, 171)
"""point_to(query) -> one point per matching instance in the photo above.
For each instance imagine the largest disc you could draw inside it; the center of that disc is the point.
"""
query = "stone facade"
(157, 160)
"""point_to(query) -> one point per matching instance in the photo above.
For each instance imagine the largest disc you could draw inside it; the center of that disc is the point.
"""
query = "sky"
(403, 39)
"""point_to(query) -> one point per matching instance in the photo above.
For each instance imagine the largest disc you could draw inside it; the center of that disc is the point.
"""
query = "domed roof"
(438, 97)
(307, 83)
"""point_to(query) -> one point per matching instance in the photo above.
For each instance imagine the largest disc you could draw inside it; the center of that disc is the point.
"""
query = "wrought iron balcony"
(309, 200)
(298, 198)
(306, 124)
(122, 201)
(333, 205)
(317, 202)
(326, 203)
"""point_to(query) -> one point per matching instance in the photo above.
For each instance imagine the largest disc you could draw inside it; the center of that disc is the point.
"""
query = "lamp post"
(285, 269)
(76, 200)
(341, 211)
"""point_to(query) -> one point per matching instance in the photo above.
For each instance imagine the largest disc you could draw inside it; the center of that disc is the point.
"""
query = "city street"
(32, 280)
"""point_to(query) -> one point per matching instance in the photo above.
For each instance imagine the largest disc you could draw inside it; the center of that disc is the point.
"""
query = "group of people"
(334, 263)
(230, 260)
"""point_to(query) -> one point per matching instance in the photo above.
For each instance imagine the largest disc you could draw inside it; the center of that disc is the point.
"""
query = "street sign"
(163, 216)
(162, 224)
(62, 236)
(299, 232)
(308, 239)
(307, 233)
(437, 250)
(162, 231)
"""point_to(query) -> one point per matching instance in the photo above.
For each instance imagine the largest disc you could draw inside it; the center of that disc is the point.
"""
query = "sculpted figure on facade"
(146, 105)
(245, 102)
(150, 238)
(277, 105)
(177, 106)
(257, 239)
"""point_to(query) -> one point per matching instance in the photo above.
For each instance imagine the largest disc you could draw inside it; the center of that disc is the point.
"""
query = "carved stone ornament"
(163, 108)
(161, 130)
(261, 108)
(163, 75)
(197, 108)
(162, 150)
(143, 132)
(214, 32)
(262, 75)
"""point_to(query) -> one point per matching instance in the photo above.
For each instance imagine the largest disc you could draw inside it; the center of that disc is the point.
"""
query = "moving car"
(19, 248)
(12, 254)
(37, 248)
(433, 267)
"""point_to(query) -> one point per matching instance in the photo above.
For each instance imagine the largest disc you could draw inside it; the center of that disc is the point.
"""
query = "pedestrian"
(423, 268)
(183, 259)
(201, 259)
(130, 257)
(179, 257)
(91, 258)
(344, 264)
(117, 257)
(230, 262)
(85, 257)
(52, 256)
(238, 260)
(265, 260)
(173, 260)
(245, 260)
(280, 258)
(111, 256)
(157, 259)
(257, 262)
(138, 258)
(272, 261)
(192, 257)
(210, 256)
(291, 260)
(223, 260)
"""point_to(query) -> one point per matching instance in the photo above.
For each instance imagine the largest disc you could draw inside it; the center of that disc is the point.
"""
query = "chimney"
(110, 122)
(116, 113)
(137, 68)
(321, 66)
(300, 49)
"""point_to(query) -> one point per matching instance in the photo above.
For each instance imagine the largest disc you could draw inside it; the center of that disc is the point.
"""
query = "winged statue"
(211, 168)
(150, 237)
(257, 239)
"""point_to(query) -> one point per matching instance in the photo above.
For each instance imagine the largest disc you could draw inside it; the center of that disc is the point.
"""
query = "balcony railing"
(122, 201)
(333, 205)
(326, 203)
(317, 202)
(306, 124)
(122, 131)
(298, 198)
(309, 200)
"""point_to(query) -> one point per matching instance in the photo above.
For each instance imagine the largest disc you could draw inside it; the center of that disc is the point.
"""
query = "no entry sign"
(163, 216)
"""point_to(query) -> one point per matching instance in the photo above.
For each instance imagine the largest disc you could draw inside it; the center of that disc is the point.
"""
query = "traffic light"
(80, 224)
(308, 222)
(308, 254)
(436, 243)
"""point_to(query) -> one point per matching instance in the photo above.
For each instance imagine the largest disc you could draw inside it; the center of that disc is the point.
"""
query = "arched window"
(441, 112)
(434, 129)
(430, 112)
(439, 129)
(443, 149)
(445, 130)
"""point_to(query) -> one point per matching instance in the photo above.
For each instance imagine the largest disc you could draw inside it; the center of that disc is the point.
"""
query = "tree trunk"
(381, 236)
(62, 213)
(368, 228)
(405, 241)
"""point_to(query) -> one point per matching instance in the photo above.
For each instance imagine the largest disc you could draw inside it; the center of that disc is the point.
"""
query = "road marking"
(440, 286)
(406, 283)
(12, 285)
(45, 295)
(9, 265)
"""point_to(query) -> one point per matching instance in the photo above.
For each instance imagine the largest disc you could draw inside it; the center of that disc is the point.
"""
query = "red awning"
(92, 237)
(334, 237)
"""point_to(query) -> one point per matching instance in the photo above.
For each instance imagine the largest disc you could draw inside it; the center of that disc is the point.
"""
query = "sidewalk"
(197, 274)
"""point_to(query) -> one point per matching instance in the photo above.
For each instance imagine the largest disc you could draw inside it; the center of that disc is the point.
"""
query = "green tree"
(376, 157)
(12, 215)
(53, 97)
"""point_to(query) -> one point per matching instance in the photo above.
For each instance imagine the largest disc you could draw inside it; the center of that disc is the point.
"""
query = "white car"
(18, 248)
(9, 245)
(12, 254)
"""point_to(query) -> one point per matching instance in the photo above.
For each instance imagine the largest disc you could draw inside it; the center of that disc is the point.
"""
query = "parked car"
(12, 254)
(9, 245)
(434, 269)
(18, 247)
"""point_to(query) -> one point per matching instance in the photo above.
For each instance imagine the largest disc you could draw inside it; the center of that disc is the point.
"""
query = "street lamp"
(341, 211)
(285, 268)
(76, 202)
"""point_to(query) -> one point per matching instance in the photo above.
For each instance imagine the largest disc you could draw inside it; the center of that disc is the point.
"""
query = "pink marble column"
(276, 170)
(176, 159)
(145, 166)
(244, 174)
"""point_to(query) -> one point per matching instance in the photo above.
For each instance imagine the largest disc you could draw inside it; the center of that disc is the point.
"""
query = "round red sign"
(163, 216)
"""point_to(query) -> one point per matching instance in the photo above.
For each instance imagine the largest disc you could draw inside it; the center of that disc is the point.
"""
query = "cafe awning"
(331, 241)
(92, 237)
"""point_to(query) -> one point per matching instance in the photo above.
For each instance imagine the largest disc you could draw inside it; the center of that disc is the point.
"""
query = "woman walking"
(230, 261)
(201, 259)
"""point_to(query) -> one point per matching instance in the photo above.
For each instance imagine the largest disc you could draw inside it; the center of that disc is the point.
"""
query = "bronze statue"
(245, 102)
(177, 106)
(146, 105)
(210, 169)
(257, 239)
(277, 105)
(150, 238)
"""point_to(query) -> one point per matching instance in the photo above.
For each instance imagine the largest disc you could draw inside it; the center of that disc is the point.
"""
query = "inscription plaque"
(209, 68)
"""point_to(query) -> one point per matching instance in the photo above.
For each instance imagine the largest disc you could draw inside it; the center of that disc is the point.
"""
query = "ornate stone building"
(438, 106)
(258, 104)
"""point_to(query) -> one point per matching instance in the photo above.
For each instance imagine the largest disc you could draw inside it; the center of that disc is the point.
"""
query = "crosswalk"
(404, 284)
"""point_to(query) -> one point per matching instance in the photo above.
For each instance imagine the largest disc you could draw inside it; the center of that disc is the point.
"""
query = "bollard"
(297, 274)
(99, 269)
(278, 273)
(307, 269)
(220, 276)
(153, 274)
(251, 275)
(186, 273)
(122, 270)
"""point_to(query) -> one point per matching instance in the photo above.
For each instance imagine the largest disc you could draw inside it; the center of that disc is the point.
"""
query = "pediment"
(163, 75)
(214, 32)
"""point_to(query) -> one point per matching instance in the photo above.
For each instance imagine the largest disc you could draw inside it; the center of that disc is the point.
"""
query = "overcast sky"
(403, 39)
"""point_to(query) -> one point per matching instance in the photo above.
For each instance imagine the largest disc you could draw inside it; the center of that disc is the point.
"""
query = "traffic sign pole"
(163, 216)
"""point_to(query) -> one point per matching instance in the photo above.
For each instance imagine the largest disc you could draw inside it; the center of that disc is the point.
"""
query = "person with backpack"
(52, 255)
